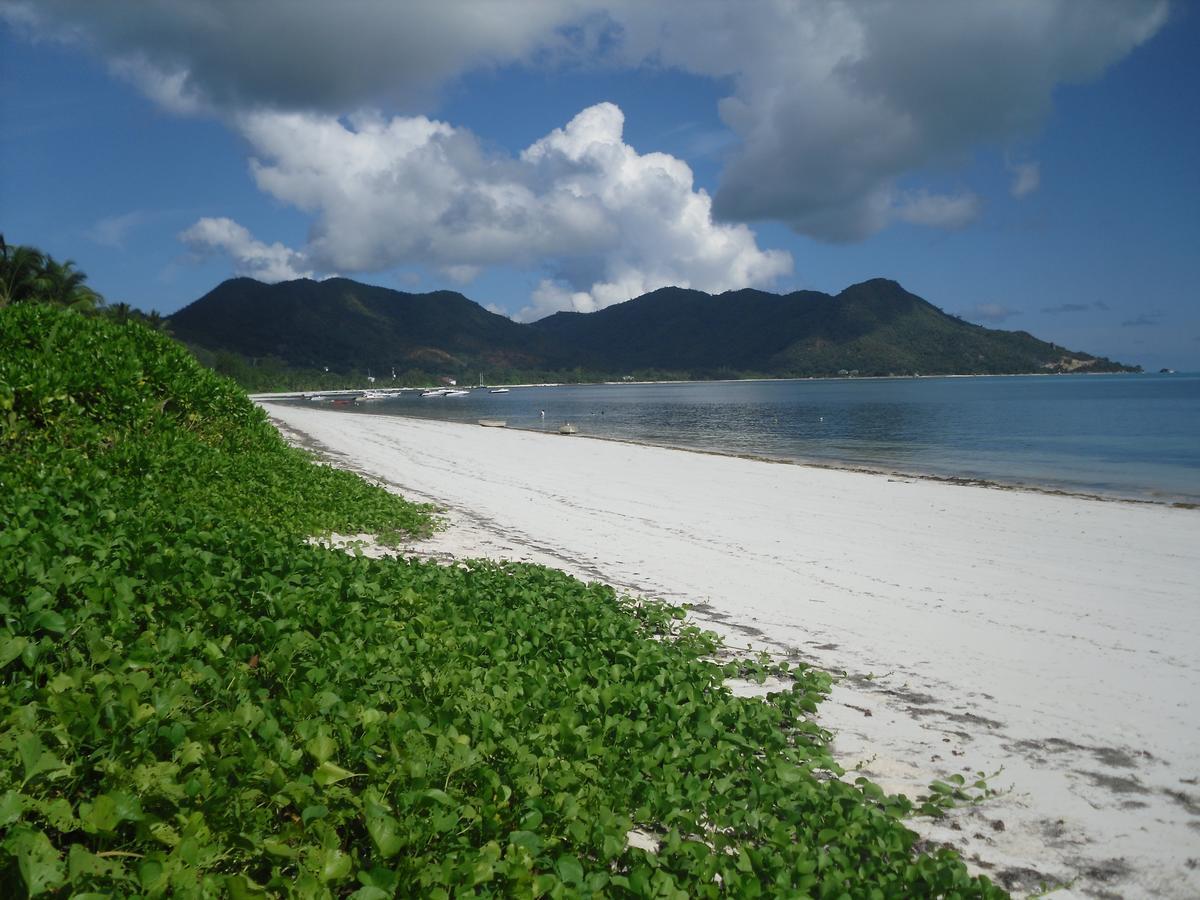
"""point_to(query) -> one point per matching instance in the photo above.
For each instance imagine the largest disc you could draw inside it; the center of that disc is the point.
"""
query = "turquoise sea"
(1133, 436)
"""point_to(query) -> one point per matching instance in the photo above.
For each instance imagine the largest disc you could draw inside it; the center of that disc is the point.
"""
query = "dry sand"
(1054, 638)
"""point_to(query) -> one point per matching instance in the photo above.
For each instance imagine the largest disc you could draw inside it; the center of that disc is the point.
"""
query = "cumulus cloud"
(1027, 177)
(990, 312)
(609, 223)
(266, 262)
(302, 54)
(833, 102)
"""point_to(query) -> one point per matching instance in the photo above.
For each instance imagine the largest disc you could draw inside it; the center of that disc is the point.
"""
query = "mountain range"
(872, 328)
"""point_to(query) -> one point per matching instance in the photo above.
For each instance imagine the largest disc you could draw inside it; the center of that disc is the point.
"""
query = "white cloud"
(550, 297)
(990, 312)
(461, 274)
(607, 222)
(266, 262)
(111, 231)
(171, 89)
(833, 102)
(940, 210)
(304, 54)
(1027, 177)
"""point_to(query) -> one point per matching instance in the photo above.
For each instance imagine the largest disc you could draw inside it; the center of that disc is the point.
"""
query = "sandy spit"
(1054, 640)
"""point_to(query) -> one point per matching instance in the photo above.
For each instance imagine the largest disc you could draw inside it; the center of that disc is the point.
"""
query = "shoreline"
(977, 629)
(268, 396)
(1147, 498)
(844, 466)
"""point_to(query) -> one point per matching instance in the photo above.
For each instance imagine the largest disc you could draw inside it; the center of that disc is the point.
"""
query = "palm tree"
(28, 274)
(20, 269)
(63, 284)
(155, 320)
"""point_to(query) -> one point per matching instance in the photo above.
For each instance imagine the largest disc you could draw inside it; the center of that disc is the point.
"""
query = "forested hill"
(347, 325)
(873, 328)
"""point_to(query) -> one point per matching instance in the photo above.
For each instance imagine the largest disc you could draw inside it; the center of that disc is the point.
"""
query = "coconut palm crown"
(27, 274)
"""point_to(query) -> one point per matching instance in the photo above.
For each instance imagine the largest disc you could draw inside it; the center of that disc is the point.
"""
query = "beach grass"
(196, 701)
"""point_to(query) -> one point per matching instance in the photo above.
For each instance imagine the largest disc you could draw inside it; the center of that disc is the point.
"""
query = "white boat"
(457, 393)
(374, 395)
(498, 391)
(436, 392)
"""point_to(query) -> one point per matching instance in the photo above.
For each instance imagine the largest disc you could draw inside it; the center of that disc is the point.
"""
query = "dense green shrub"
(195, 701)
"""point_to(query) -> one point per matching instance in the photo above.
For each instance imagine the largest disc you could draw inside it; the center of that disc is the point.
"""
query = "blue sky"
(1031, 167)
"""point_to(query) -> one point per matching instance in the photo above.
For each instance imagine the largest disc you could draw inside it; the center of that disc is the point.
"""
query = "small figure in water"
(543, 414)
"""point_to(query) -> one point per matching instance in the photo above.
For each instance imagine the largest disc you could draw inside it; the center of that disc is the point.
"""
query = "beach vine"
(195, 701)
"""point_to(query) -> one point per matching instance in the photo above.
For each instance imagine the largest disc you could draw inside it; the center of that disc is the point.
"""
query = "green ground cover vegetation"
(195, 701)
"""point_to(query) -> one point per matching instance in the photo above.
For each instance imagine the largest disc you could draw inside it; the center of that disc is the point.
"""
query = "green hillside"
(344, 325)
(874, 328)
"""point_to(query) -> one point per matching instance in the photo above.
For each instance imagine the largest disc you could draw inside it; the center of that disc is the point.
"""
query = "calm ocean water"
(1124, 435)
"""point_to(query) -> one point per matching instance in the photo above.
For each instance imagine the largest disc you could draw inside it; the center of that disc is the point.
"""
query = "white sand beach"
(1052, 639)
